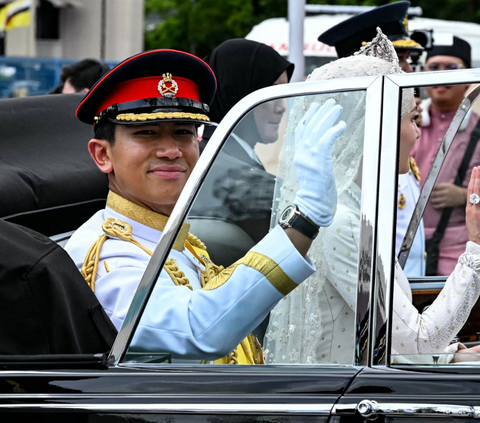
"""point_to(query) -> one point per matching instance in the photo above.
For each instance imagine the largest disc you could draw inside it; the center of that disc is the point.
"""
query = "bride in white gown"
(316, 322)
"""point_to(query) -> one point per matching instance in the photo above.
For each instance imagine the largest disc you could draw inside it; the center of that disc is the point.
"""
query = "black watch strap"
(301, 223)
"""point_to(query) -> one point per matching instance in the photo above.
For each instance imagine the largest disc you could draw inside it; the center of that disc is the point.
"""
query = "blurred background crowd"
(39, 37)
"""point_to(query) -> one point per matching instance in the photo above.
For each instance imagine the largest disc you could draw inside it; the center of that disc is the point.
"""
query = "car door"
(143, 383)
(425, 385)
(147, 384)
(231, 210)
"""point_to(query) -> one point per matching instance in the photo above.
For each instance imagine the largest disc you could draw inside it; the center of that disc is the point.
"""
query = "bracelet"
(471, 260)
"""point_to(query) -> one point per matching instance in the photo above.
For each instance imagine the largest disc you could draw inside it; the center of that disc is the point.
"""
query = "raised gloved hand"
(314, 139)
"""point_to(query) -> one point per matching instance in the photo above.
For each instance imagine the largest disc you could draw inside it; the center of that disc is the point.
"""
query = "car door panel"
(246, 394)
(414, 394)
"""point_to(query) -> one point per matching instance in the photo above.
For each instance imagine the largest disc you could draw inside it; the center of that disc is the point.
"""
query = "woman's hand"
(314, 138)
(473, 210)
(467, 354)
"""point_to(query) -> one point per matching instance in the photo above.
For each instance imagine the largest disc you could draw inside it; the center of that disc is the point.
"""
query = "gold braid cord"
(142, 117)
(90, 265)
(196, 242)
(114, 228)
(178, 277)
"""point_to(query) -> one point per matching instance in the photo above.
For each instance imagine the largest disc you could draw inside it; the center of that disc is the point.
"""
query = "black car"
(42, 143)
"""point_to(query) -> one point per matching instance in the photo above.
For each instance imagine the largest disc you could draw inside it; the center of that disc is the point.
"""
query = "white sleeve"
(209, 323)
(433, 330)
(339, 243)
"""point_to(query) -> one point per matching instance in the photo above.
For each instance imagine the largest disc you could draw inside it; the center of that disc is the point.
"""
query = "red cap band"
(140, 88)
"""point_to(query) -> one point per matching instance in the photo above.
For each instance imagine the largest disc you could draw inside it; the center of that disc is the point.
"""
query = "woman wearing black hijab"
(238, 188)
(242, 67)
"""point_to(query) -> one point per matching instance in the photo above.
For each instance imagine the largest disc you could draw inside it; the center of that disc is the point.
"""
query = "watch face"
(287, 214)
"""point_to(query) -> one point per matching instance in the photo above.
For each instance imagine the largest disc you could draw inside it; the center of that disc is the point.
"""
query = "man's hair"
(83, 74)
(105, 131)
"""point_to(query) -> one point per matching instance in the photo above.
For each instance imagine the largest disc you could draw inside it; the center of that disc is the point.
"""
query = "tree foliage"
(198, 26)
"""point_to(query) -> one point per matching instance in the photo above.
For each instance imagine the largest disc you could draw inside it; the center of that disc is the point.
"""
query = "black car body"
(118, 385)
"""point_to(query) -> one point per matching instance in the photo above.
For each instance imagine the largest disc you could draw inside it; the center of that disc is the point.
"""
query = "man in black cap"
(438, 112)
(347, 37)
(145, 114)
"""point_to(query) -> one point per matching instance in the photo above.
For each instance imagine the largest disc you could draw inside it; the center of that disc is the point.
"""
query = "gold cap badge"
(167, 86)
(404, 23)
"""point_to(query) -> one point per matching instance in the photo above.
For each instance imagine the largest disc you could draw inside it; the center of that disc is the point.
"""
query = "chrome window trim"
(426, 79)
(365, 275)
(426, 286)
(195, 181)
(385, 239)
(178, 408)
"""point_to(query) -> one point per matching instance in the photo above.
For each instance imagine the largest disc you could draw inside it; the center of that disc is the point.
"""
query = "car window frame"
(382, 301)
(373, 87)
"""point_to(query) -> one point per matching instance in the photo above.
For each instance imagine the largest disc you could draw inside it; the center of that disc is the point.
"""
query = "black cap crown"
(348, 36)
(153, 86)
(459, 48)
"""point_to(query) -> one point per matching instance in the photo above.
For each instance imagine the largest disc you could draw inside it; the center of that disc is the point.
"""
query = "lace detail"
(471, 260)
(347, 151)
(353, 195)
(433, 330)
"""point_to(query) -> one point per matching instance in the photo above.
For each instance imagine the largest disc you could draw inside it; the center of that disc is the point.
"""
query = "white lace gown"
(315, 324)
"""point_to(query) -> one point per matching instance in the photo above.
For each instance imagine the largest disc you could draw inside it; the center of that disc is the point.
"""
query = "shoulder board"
(415, 170)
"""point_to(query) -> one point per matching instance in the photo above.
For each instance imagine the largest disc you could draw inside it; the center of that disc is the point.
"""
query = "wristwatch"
(292, 217)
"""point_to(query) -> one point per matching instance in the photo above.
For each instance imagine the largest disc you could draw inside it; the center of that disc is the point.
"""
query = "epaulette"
(415, 170)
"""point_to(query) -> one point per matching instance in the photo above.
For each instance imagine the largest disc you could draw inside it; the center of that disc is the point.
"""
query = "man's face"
(403, 60)
(68, 88)
(446, 97)
(151, 163)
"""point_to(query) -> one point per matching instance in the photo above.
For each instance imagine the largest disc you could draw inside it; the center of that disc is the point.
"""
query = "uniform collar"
(146, 217)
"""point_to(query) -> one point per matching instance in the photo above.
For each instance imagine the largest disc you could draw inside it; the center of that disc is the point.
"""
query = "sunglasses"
(433, 66)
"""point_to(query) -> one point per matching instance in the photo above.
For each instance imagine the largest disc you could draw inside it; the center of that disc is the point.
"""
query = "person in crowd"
(46, 306)
(80, 76)
(241, 190)
(316, 323)
(145, 114)
(347, 37)
(444, 216)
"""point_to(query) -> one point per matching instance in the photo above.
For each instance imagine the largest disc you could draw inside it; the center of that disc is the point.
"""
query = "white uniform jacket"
(203, 323)
(409, 188)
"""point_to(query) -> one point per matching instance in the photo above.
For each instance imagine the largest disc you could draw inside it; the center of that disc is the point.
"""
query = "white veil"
(295, 327)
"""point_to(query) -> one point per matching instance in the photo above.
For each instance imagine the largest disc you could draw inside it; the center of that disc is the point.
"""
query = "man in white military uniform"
(408, 195)
(145, 114)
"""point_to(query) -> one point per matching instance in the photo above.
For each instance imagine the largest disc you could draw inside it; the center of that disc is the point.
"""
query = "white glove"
(314, 139)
